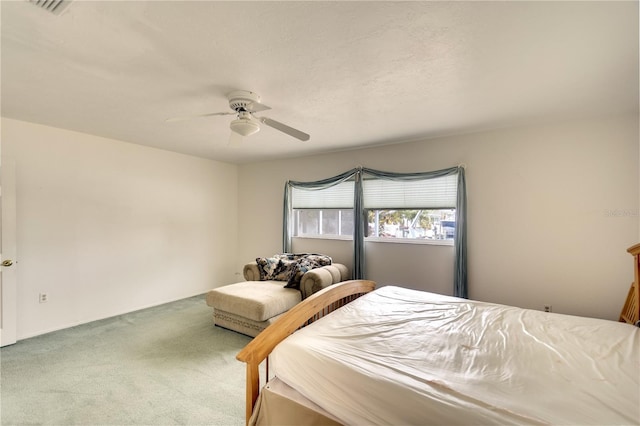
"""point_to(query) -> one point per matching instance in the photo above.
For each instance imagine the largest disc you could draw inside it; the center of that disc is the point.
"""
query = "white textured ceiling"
(350, 74)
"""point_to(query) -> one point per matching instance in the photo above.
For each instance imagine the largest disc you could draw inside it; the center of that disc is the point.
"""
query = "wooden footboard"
(304, 313)
(631, 309)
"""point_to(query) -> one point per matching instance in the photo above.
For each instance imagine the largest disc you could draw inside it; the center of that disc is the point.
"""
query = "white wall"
(107, 227)
(551, 211)
(392, 263)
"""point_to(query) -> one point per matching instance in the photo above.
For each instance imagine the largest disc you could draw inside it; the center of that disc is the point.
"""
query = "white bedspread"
(399, 356)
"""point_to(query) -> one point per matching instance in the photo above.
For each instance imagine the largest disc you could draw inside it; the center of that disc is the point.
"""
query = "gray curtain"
(359, 222)
(460, 239)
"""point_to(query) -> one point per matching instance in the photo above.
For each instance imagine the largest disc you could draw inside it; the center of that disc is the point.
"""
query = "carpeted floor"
(166, 365)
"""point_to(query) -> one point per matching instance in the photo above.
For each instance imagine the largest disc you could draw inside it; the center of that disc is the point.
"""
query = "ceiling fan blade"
(284, 128)
(257, 107)
(190, 117)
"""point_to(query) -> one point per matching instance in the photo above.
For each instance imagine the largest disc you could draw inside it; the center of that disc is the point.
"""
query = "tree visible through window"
(429, 224)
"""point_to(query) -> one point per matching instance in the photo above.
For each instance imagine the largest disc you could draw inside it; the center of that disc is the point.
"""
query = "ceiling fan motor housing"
(242, 100)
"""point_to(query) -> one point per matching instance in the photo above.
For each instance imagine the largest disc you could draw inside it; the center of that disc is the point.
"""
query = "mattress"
(400, 356)
(279, 404)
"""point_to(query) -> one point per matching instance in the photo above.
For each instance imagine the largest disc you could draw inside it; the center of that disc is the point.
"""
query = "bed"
(353, 354)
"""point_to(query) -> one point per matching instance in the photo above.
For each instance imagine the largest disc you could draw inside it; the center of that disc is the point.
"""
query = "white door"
(8, 281)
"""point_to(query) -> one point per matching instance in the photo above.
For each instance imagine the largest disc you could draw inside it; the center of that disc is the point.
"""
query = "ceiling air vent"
(54, 6)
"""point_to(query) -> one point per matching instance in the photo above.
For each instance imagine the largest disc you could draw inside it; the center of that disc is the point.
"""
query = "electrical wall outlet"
(547, 308)
(43, 298)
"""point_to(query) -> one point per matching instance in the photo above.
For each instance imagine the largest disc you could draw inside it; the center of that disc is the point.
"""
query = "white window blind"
(339, 196)
(433, 193)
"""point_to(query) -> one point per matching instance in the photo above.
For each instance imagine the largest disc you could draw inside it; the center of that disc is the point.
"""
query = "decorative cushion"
(267, 267)
(319, 278)
(336, 274)
(289, 267)
(278, 267)
(305, 264)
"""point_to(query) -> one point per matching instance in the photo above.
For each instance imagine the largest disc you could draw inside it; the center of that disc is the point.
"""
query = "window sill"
(325, 237)
(425, 241)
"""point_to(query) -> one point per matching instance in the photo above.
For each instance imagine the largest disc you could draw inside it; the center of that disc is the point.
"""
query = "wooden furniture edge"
(304, 313)
(631, 309)
(634, 250)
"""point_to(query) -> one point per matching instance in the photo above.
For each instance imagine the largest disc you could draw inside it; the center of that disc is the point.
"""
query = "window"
(411, 209)
(395, 209)
(424, 224)
(323, 213)
(323, 222)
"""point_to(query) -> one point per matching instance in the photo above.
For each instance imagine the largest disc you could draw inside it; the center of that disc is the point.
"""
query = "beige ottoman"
(249, 307)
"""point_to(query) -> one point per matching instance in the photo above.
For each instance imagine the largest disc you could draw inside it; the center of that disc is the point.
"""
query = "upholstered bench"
(249, 307)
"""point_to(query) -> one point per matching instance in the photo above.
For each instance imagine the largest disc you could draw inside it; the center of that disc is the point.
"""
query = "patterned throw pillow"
(304, 264)
(284, 269)
(290, 267)
(277, 267)
(267, 267)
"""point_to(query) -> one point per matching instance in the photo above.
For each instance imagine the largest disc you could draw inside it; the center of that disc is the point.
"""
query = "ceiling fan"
(245, 104)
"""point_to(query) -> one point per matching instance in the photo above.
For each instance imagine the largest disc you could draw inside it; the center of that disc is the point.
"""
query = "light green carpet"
(166, 365)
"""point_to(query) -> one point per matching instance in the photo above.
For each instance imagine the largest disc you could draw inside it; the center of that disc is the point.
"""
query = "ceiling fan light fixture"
(244, 126)
(245, 104)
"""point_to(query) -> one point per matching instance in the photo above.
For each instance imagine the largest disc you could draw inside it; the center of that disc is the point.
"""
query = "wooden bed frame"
(338, 295)
(631, 310)
(311, 309)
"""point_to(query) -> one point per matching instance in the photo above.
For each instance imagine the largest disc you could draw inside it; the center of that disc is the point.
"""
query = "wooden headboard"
(631, 310)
